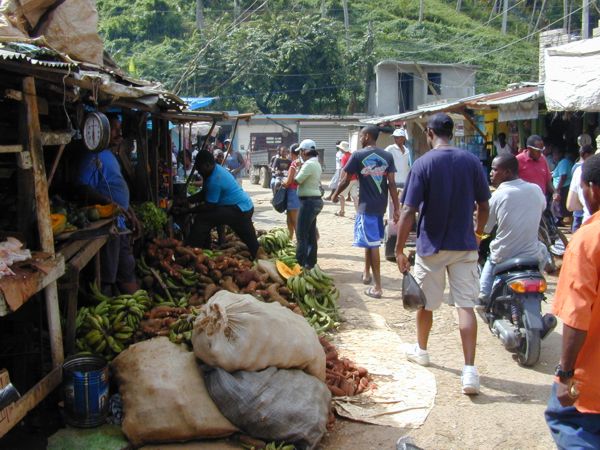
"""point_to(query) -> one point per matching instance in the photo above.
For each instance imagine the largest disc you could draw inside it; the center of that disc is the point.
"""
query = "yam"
(210, 290)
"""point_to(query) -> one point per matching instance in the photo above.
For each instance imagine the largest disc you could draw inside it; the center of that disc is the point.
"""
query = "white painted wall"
(457, 82)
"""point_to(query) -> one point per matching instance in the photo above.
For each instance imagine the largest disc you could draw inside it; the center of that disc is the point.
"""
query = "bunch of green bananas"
(317, 297)
(288, 255)
(275, 240)
(181, 331)
(176, 292)
(108, 328)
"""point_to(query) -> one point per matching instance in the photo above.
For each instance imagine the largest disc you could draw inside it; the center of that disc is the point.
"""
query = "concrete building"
(402, 86)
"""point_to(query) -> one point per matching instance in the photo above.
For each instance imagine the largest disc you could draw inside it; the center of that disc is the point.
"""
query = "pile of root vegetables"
(171, 271)
(343, 377)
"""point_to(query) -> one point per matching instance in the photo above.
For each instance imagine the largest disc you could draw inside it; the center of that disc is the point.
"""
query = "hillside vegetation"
(295, 56)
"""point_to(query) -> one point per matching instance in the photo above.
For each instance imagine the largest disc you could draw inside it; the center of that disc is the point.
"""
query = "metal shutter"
(325, 136)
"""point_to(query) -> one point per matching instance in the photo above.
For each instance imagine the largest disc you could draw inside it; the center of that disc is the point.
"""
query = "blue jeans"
(571, 429)
(486, 280)
(306, 231)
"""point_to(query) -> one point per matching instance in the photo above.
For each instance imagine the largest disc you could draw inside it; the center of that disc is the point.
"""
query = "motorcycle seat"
(516, 264)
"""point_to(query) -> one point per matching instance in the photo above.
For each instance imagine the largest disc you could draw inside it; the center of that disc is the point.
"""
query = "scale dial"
(96, 131)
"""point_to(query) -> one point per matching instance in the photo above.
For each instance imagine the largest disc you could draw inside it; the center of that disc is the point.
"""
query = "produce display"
(317, 297)
(343, 377)
(275, 240)
(152, 217)
(68, 217)
(109, 327)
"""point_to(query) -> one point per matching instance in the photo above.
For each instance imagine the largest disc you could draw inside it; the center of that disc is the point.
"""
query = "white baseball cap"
(307, 144)
(399, 132)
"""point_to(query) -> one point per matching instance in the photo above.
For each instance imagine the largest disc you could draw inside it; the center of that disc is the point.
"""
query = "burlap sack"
(72, 28)
(239, 332)
(12, 21)
(164, 395)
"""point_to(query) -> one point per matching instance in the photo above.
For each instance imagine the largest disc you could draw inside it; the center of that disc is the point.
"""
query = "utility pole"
(199, 14)
(504, 16)
(458, 5)
(236, 9)
(323, 9)
(585, 20)
(346, 22)
(421, 8)
(566, 15)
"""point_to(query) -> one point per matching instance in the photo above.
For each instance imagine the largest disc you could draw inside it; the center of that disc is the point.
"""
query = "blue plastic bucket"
(85, 387)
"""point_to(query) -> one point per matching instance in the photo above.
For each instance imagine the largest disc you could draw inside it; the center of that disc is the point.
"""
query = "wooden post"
(34, 145)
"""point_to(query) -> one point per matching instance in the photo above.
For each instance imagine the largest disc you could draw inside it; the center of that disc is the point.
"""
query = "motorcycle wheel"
(529, 352)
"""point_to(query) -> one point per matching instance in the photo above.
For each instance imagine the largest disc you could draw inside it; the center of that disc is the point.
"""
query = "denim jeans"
(571, 429)
(486, 280)
(306, 231)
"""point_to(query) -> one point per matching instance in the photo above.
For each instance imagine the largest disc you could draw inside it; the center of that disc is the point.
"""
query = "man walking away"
(375, 169)
(444, 185)
(573, 413)
(516, 209)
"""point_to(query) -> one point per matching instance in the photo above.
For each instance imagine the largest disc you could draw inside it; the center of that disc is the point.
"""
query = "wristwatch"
(563, 374)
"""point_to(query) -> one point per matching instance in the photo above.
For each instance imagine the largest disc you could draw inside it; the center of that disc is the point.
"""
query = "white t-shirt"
(575, 187)
(338, 160)
(516, 207)
(506, 150)
(401, 161)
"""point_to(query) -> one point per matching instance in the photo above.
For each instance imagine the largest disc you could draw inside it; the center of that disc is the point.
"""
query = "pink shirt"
(534, 171)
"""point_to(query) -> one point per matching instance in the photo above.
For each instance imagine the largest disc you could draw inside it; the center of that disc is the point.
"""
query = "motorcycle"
(514, 313)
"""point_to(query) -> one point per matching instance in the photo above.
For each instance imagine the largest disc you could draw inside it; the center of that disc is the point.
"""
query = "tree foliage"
(284, 56)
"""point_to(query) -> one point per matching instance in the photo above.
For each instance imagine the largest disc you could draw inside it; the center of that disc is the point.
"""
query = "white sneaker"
(470, 380)
(415, 354)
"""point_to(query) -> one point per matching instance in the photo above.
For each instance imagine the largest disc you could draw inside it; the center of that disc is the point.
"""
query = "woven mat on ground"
(405, 392)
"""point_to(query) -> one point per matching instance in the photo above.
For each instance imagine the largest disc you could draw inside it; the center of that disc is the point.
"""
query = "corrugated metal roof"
(9, 55)
(480, 101)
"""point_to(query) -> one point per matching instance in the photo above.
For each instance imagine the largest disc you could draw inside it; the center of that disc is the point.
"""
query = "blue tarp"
(195, 103)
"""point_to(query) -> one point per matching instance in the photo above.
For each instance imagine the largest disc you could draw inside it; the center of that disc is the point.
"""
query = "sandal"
(371, 292)
(366, 280)
(339, 214)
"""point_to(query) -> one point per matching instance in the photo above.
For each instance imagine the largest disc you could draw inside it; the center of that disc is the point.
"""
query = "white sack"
(239, 332)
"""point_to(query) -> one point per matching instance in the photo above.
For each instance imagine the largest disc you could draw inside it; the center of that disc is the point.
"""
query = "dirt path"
(509, 411)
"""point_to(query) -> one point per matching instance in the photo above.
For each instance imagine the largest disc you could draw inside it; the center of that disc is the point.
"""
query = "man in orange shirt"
(573, 413)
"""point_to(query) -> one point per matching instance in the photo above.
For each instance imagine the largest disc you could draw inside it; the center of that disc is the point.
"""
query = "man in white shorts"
(444, 185)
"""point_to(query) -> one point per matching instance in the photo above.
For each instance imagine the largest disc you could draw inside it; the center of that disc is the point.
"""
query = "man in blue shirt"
(225, 203)
(444, 185)
(102, 182)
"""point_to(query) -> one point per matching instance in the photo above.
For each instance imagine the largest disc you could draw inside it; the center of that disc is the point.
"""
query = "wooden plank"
(18, 289)
(56, 138)
(91, 248)
(34, 140)
(11, 148)
(15, 412)
(55, 163)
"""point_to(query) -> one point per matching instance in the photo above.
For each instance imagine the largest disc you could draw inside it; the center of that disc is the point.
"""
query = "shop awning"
(516, 103)
(572, 82)
(195, 103)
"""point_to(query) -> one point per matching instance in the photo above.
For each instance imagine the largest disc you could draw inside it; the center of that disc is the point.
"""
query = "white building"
(402, 86)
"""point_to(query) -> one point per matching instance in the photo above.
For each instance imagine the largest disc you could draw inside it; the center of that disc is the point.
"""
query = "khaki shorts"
(430, 273)
(352, 189)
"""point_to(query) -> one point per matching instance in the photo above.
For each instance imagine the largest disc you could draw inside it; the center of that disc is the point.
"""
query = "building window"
(434, 83)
